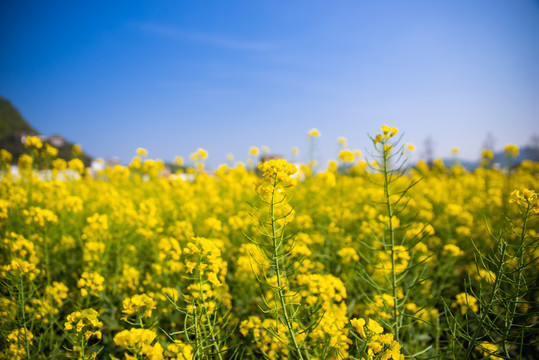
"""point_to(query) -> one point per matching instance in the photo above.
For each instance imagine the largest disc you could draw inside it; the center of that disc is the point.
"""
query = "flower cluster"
(466, 302)
(91, 283)
(346, 155)
(17, 341)
(85, 322)
(276, 174)
(511, 150)
(140, 342)
(380, 345)
(488, 350)
(527, 199)
(387, 133)
(142, 305)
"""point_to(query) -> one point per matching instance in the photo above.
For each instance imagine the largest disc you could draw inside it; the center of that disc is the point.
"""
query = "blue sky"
(172, 76)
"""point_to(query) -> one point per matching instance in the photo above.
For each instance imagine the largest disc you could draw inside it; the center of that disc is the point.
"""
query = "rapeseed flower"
(33, 142)
(253, 151)
(141, 305)
(346, 155)
(512, 150)
(466, 302)
(85, 320)
(313, 133)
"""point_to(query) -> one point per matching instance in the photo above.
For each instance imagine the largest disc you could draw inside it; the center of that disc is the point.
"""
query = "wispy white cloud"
(175, 32)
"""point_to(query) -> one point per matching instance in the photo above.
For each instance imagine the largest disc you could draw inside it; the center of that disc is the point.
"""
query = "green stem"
(276, 265)
(197, 332)
(82, 346)
(209, 324)
(387, 194)
(22, 300)
(486, 311)
(512, 309)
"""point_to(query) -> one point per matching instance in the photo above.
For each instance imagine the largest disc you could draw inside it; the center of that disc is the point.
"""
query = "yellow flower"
(512, 150)
(139, 341)
(178, 160)
(51, 150)
(452, 250)
(374, 327)
(203, 153)
(25, 162)
(253, 151)
(5, 157)
(142, 151)
(20, 268)
(212, 277)
(59, 164)
(348, 255)
(388, 132)
(359, 325)
(375, 346)
(33, 141)
(84, 319)
(527, 198)
(91, 284)
(76, 165)
(487, 154)
(342, 140)
(76, 150)
(346, 155)
(313, 133)
(16, 339)
(488, 350)
(386, 129)
(200, 154)
(466, 301)
(279, 169)
(139, 304)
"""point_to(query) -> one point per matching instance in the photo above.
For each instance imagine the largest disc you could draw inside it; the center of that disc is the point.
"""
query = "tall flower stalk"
(275, 248)
(390, 165)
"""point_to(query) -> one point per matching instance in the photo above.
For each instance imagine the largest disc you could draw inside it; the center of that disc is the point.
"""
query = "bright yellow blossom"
(512, 150)
(313, 133)
(346, 155)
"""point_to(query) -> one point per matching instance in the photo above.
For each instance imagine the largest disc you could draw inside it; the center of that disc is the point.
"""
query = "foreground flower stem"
(277, 241)
(22, 300)
(387, 195)
(486, 312)
(520, 280)
(208, 317)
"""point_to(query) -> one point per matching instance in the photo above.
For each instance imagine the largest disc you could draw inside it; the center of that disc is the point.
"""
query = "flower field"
(370, 258)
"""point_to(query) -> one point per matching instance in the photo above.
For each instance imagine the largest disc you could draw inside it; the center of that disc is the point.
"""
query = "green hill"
(13, 127)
